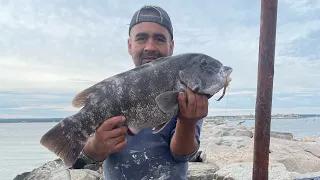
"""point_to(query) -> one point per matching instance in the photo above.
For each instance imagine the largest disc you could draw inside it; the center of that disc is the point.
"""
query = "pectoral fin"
(159, 128)
(168, 101)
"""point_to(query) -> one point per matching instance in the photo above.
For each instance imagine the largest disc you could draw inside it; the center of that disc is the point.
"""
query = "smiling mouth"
(148, 59)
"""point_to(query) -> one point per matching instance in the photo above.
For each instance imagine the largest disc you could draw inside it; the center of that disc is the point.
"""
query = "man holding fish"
(146, 155)
(146, 121)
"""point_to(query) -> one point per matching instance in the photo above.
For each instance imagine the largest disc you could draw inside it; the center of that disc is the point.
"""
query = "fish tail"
(66, 139)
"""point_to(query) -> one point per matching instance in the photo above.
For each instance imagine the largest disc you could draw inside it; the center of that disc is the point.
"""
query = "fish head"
(205, 75)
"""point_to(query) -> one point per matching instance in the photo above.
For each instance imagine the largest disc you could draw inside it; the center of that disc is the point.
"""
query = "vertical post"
(267, 41)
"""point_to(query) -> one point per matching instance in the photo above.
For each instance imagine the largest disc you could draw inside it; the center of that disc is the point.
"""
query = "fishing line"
(226, 107)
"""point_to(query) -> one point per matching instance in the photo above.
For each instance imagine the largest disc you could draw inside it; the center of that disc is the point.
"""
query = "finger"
(112, 142)
(191, 98)
(182, 103)
(119, 146)
(200, 103)
(111, 123)
(192, 103)
(205, 106)
(116, 132)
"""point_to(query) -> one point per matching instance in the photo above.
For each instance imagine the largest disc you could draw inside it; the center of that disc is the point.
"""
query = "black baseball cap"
(149, 13)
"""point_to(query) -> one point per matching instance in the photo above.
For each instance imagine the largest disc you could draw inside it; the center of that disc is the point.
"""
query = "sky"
(52, 50)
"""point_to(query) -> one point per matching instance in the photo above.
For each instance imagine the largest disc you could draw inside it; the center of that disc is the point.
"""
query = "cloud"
(242, 111)
(52, 107)
(52, 51)
(229, 112)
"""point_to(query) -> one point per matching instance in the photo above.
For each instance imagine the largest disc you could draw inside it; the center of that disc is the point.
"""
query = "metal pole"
(267, 39)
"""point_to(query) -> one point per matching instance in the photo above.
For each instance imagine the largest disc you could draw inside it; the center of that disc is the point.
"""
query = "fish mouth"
(228, 80)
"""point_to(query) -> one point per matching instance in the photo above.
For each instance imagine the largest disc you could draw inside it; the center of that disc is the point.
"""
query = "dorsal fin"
(80, 99)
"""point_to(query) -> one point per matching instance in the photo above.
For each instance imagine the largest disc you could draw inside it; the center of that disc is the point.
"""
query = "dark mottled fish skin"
(134, 94)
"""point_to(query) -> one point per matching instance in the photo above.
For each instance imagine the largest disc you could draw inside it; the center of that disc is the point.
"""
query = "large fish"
(146, 96)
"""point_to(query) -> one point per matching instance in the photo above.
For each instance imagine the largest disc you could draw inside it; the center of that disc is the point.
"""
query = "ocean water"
(298, 127)
(20, 148)
(21, 151)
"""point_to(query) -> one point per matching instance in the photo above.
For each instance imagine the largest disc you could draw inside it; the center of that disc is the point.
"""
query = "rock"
(54, 170)
(219, 121)
(84, 174)
(241, 132)
(243, 171)
(201, 171)
(281, 135)
(309, 139)
(21, 176)
(232, 141)
(313, 149)
(308, 176)
(199, 157)
(301, 164)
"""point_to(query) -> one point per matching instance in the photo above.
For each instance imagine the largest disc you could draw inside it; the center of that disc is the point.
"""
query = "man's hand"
(196, 108)
(107, 139)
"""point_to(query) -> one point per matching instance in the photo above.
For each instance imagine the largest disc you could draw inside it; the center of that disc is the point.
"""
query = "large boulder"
(56, 170)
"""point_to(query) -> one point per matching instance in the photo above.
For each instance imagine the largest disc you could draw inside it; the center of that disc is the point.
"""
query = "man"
(150, 156)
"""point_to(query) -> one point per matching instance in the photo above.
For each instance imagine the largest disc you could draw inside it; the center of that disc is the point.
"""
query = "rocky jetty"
(225, 153)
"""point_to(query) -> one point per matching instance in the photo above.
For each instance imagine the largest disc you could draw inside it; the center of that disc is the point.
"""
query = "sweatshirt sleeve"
(186, 158)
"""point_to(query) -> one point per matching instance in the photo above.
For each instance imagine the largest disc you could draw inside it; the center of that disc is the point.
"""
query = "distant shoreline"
(30, 120)
(251, 118)
(230, 118)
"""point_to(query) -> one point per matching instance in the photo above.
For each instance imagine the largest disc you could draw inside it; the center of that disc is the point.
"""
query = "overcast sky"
(51, 50)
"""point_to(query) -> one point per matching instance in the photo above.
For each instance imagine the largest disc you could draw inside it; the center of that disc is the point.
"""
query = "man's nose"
(150, 45)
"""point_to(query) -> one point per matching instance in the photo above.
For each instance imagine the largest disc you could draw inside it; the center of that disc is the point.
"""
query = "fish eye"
(204, 62)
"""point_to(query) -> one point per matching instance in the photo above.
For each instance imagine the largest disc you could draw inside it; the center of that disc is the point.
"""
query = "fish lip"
(130, 132)
(229, 79)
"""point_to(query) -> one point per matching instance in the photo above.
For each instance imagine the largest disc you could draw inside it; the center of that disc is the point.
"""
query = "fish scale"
(145, 95)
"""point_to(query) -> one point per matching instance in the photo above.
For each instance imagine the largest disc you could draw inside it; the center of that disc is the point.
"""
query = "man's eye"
(141, 38)
(160, 40)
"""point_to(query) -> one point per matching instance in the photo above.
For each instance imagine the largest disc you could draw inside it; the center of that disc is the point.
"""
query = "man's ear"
(171, 47)
(129, 46)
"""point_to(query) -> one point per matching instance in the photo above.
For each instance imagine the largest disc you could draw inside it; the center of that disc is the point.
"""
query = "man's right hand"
(107, 139)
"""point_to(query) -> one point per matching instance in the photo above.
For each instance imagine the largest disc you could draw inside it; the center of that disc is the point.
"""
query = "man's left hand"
(194, 109)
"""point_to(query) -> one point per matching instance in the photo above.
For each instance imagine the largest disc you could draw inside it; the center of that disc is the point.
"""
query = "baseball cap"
(149, 13)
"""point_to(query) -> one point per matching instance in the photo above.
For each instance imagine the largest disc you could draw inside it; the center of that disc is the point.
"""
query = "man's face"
(149, 41)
